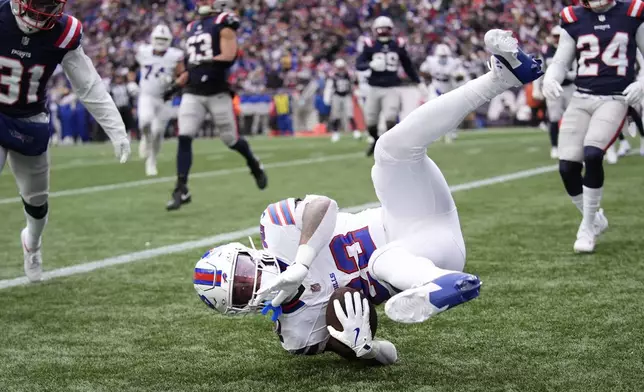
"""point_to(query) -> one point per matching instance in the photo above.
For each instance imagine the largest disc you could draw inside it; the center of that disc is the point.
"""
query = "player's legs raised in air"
(220, 107)
(32, 178)
(416, 200)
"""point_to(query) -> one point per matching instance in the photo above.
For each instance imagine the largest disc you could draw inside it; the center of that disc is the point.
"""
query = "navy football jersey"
(207, 77)
(27, 61)
(342, 83)
(606, 47)
(394, 54)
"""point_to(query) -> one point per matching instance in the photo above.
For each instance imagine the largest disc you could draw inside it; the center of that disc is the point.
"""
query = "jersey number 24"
(615, 54)
(351, 253)
(10, 84)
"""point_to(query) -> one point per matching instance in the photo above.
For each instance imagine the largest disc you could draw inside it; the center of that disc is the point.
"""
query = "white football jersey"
(157, 72)
(302, 326)
(442, 73)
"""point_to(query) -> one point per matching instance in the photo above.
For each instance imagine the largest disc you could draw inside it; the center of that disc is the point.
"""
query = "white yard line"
(214, 173)
(204, 243)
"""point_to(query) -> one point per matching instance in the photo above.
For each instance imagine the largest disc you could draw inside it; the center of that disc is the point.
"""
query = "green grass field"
(547, 320)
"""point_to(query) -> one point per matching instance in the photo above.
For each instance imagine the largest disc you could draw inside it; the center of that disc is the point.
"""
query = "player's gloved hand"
(288, 282)
(378, 64)
(356, 330)
(551, 89)
(121, 148)
(634, 93)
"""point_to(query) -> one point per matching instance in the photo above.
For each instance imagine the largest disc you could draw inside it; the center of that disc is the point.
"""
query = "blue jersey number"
(12, 73)
(351, 253)
(149, 69)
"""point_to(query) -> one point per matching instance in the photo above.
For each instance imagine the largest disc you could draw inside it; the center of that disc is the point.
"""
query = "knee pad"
(36, 212)
(571, 176)
(594, 159)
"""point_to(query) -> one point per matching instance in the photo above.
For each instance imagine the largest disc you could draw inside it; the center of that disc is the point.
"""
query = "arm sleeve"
(408, 66)
(563, 58)
(91, 91)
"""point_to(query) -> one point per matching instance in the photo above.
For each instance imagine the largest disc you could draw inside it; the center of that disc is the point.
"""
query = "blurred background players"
(338, 93)
(384, 54)
(211, 48)
(159, 63)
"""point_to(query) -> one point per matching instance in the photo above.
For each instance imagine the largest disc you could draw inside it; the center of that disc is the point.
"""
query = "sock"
(621, 136)
(36, 222)
(637, 119)
(373, 131)
(578, 201)
(184, 159)
(353, 124)
(335, 125)
(554, 133)
(592, 200)
(242, 147)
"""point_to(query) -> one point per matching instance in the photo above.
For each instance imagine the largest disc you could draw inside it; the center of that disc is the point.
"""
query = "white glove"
(551, 89)
(634, 93)
(378, 64)
(356, 330)
(121, 148)
(288, 282)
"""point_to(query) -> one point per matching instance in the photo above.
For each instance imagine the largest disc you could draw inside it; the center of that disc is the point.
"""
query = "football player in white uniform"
(159, 64)
(37, 37)
(409, 252)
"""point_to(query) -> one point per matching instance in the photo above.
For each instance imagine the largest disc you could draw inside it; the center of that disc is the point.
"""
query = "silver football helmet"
(383, 28)
(161, 38)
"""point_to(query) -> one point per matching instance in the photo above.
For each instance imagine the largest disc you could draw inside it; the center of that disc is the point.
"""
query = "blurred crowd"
(278, 38)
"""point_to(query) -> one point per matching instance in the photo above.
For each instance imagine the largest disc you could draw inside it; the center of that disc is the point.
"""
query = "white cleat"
(600, 225)
(357, 134)
(554, 153)
(585, 242)
(611, 155)
(420, 303)
(510, 63)
(151, 167)
(143, 147)
(624, 148)
(33, 259)
(335, 137)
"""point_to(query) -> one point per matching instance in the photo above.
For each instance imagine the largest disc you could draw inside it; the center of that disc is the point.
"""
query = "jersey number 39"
(11, 82)
(615, 54)
(351, 253)
(199, 48)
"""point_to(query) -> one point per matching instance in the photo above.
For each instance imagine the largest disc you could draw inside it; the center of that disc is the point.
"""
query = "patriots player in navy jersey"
(36, 37)
(384, 56)
(603, 37)
(211, 49)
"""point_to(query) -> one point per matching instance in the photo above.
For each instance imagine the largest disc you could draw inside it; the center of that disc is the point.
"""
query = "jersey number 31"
(10, 84)
(615, 54)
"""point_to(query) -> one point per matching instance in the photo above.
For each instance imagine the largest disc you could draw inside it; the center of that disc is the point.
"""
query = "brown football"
(332, 320)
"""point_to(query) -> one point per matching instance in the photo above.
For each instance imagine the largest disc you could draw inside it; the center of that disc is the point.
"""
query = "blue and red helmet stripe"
(204, 276)
(286, 211)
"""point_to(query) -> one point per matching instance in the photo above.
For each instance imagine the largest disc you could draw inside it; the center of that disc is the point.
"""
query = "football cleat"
(419, 304)
(151, 167)
(180, 196)
(600, 225)
(260, 176)
(624, 148)
(509, 62)
(586, 237)
(33, 259)
(335, 137)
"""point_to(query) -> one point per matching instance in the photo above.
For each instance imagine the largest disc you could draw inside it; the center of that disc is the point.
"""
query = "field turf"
(546, 320)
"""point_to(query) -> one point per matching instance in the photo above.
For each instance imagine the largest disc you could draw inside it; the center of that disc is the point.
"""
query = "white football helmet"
(383, 28)
(597, 5)
(442, 50)
(161, 38)
(228, 277)
(340, 64)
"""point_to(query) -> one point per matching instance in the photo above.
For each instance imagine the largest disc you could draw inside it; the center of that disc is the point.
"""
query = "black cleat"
(260, 176)
(180, 196)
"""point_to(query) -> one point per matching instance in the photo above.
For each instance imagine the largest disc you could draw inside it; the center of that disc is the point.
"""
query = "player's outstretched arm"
(558, 69)
(91, 91)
